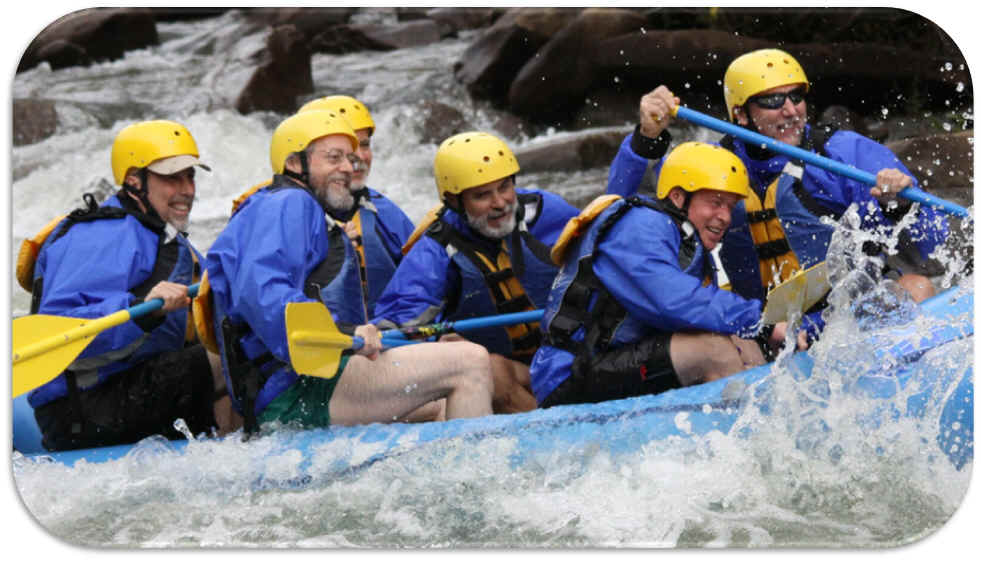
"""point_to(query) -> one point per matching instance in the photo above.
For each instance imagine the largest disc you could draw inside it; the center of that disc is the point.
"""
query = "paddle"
(799, 293)
(44, 345)
(316, 345)
(463, 325)
(910, 193)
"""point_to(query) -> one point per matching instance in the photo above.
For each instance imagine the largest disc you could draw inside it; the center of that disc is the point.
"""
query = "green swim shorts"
(306, 402)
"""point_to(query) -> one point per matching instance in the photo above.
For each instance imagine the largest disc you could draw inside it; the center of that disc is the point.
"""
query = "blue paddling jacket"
(654, 276)
(99, 262)
(798, 196)
(279, 247)
(453, 273)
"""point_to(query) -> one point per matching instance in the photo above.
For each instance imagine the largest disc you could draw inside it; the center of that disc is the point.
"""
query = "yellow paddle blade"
(797, 294)
(315, 344)
(43, 346)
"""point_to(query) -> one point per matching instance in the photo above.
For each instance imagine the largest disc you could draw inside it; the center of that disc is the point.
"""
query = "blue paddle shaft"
(465, 325)
(910, 193)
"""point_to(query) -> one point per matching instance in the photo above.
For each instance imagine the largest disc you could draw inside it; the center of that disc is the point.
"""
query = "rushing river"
(718, 491)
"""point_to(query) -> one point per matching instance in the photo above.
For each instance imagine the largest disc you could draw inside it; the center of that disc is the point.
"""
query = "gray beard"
(505, 229)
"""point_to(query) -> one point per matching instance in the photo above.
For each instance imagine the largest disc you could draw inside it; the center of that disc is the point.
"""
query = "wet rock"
(309, 21)
(492, 61)
(554, 82)
(33, 120)
(441, 122)
(284, 75)
(401, 35)
(577, 152)
(87, 36)
(342, 39)
(453, 20)
(943, 163)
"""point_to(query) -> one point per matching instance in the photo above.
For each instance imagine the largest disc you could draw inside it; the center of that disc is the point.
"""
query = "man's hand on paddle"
(656, 111)
(888, 183)
(173, 295)
(372, 340)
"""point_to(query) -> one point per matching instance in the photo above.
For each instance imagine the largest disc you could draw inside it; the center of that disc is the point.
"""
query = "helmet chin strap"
(141, 193)
(304, 175)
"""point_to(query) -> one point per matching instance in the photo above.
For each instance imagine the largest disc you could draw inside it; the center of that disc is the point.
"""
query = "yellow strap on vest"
(775, 269)
(510, 288)
(421, 228)
(241, 198)
(29, 250)
(578, 224)
(202, 314)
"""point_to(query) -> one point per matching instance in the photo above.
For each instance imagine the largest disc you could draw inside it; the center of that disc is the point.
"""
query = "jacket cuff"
(650, 148)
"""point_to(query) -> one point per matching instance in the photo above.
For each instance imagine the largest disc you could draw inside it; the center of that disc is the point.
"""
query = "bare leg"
(918, 286)
(225, 416)
(432, 411)
(512, 386)
(402, 379)
(704, 357)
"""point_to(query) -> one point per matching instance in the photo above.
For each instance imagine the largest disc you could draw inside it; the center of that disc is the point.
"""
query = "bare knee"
(919, 287)
(475, 365)
(704, 358)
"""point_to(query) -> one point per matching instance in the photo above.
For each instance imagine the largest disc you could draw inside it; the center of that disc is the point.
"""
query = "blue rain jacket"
(638, 263)
(261, 262)
(89, 272)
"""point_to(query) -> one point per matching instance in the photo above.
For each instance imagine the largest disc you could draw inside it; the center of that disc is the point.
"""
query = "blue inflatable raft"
(896, 370)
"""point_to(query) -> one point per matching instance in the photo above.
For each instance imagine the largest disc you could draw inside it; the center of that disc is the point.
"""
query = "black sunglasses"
(776, 100)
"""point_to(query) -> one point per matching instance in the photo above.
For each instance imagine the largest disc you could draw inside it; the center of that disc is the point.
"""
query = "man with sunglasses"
(779, 229)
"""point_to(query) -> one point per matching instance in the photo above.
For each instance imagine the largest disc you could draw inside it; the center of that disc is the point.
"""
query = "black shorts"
(640, 368)
(142, 401)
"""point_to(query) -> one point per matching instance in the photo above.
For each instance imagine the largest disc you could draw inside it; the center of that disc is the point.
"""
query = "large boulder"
(453, 20)
(555, 80)
(87, 36)
(284, 75)
(309, 21)
(413, 33)
(943, 163)
(33, 120)
(491, 62)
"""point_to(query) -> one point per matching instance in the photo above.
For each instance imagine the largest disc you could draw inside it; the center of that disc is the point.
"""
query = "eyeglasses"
(335, 157)
(776, 100)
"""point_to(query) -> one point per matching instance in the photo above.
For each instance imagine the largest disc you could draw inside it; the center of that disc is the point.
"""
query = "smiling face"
(171, 196)
(330, 167)
(491, 207)
(709, 211)
(785, 123)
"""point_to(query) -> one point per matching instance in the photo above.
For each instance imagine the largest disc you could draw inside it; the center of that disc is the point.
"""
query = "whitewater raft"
(912, 369)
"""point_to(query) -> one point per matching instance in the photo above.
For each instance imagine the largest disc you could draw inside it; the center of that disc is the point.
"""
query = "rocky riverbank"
(889, 74)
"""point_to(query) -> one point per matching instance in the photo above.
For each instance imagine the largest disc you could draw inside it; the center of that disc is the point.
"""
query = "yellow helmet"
(141, 144)
(471, 159)
(758, 71)
(694, 166)
(295, 133)
(351, 109)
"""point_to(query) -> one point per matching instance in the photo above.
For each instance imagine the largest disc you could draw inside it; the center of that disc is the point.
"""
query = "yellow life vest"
(777, 260)
(202, 314)
(577, 225)
(431, 216)
(251, 191)
(29, 249)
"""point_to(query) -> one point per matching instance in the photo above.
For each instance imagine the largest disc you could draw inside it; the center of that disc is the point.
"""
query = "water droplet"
(885, 112)
(960, 87)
